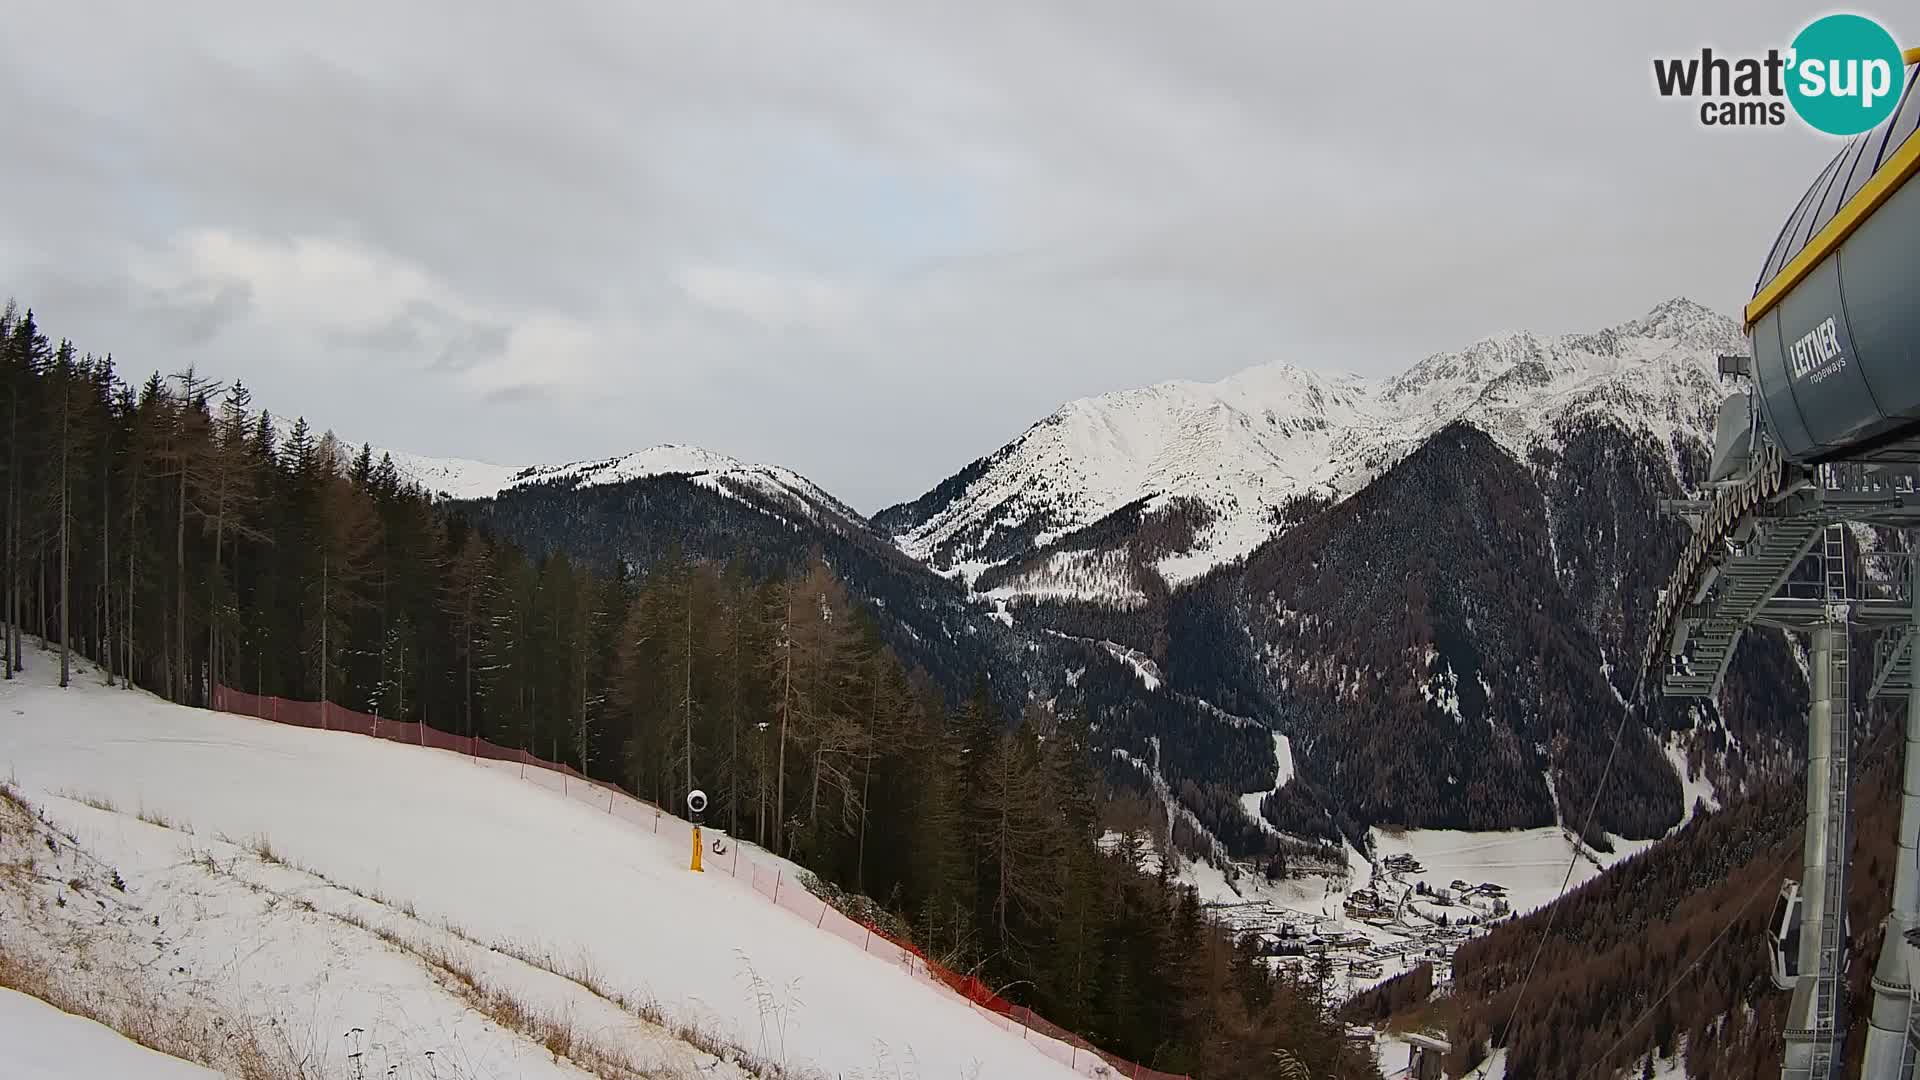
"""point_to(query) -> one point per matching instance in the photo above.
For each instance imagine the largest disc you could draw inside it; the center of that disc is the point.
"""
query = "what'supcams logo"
(1842, 75)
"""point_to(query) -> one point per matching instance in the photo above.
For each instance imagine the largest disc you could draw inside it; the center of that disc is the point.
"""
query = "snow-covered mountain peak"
(1683, 321)
(1654, 373)
(459, 478)
(721, 472)
(666, 459)
(1242, 447)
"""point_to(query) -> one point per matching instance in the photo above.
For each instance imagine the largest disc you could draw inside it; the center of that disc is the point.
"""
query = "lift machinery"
(1823, 439)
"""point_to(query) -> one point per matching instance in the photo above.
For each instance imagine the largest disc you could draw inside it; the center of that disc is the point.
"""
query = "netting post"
(776, 884)
(736, 858)
(323, 714)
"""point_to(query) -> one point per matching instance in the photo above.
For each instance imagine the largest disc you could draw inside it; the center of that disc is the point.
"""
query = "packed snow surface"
(157, 926)
(1283, 764)
(1243, 446)
(1695, 787)
(454, 478)
(458, 478)
(448, 841)
(1529, 864)
(39, 1042)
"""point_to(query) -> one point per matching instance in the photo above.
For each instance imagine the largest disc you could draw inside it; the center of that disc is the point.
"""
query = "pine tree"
(467, 598)
(67, 404)
(27, 355)
(189, 461)
(133, 513)
(226, 469)
(1023, 850)
(344, 533)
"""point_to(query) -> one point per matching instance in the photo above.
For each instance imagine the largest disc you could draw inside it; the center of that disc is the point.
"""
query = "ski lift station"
(1821, 437)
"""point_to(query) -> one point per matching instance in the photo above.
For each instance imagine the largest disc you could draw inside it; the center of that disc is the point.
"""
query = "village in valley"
(1356, 937)
(1349, 923)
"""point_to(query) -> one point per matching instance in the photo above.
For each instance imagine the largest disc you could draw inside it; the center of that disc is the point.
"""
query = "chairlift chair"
(1783, 937)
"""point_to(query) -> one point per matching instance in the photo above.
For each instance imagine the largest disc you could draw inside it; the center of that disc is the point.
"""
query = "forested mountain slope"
(1439, 622)
(1665, 956)
(169, 532)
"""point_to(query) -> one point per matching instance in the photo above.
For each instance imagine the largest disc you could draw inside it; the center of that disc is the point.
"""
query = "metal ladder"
(1743, 586)
(1910, 1053)
(1897, 671)
(1827, 1019)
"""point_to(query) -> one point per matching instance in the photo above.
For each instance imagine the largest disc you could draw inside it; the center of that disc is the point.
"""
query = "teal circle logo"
(1845, 75)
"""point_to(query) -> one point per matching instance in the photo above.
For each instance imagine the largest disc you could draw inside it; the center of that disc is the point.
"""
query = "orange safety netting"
(769, 881)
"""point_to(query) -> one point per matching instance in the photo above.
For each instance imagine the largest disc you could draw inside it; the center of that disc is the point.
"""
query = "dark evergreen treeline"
(1410, 989)
(184, 540)
(635, 524)
(1649, 926)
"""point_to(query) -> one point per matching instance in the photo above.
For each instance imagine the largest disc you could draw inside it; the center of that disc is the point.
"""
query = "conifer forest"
(179, 537)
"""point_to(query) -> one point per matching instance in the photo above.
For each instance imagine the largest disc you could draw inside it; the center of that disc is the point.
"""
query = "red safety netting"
(771, 881)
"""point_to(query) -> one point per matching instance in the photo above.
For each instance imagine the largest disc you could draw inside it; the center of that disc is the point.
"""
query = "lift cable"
(1766, 883)
(1885, 743)
(1553, 907)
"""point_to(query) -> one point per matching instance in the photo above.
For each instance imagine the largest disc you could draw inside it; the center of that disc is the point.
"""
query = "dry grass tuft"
(170, 1025)
(12, 797)
(98, 802)
(254, 1049)
(156, 818)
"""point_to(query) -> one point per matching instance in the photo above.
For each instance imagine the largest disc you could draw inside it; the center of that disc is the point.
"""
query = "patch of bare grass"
(11, 796)
(172, 1025)
(156, 818)
(98, 802)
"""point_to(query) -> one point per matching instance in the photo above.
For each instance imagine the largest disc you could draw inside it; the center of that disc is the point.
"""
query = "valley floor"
(1368, 946)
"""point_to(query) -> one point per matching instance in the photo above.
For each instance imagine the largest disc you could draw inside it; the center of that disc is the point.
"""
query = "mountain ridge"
(1244, 446)
(1164, 523)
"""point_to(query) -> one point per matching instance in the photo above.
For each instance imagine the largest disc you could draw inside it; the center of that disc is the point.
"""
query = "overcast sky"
(871, 241)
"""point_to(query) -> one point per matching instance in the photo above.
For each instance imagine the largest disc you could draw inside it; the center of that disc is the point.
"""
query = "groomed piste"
(456, 842)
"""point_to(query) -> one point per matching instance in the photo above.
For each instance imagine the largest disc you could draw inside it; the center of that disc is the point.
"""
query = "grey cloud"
(193, 318)
(454, 343)
(1029, 204)
(475, 345)
(514, 394)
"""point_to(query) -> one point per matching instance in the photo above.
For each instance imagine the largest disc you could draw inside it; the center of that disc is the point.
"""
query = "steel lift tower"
(1820, 445)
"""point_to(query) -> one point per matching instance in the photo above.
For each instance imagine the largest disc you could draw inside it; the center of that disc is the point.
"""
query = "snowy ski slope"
(506, 861)
(42, 1043)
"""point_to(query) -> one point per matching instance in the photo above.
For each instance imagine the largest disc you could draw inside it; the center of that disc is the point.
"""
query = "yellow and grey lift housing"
(1835, 317)
(1827, 439)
